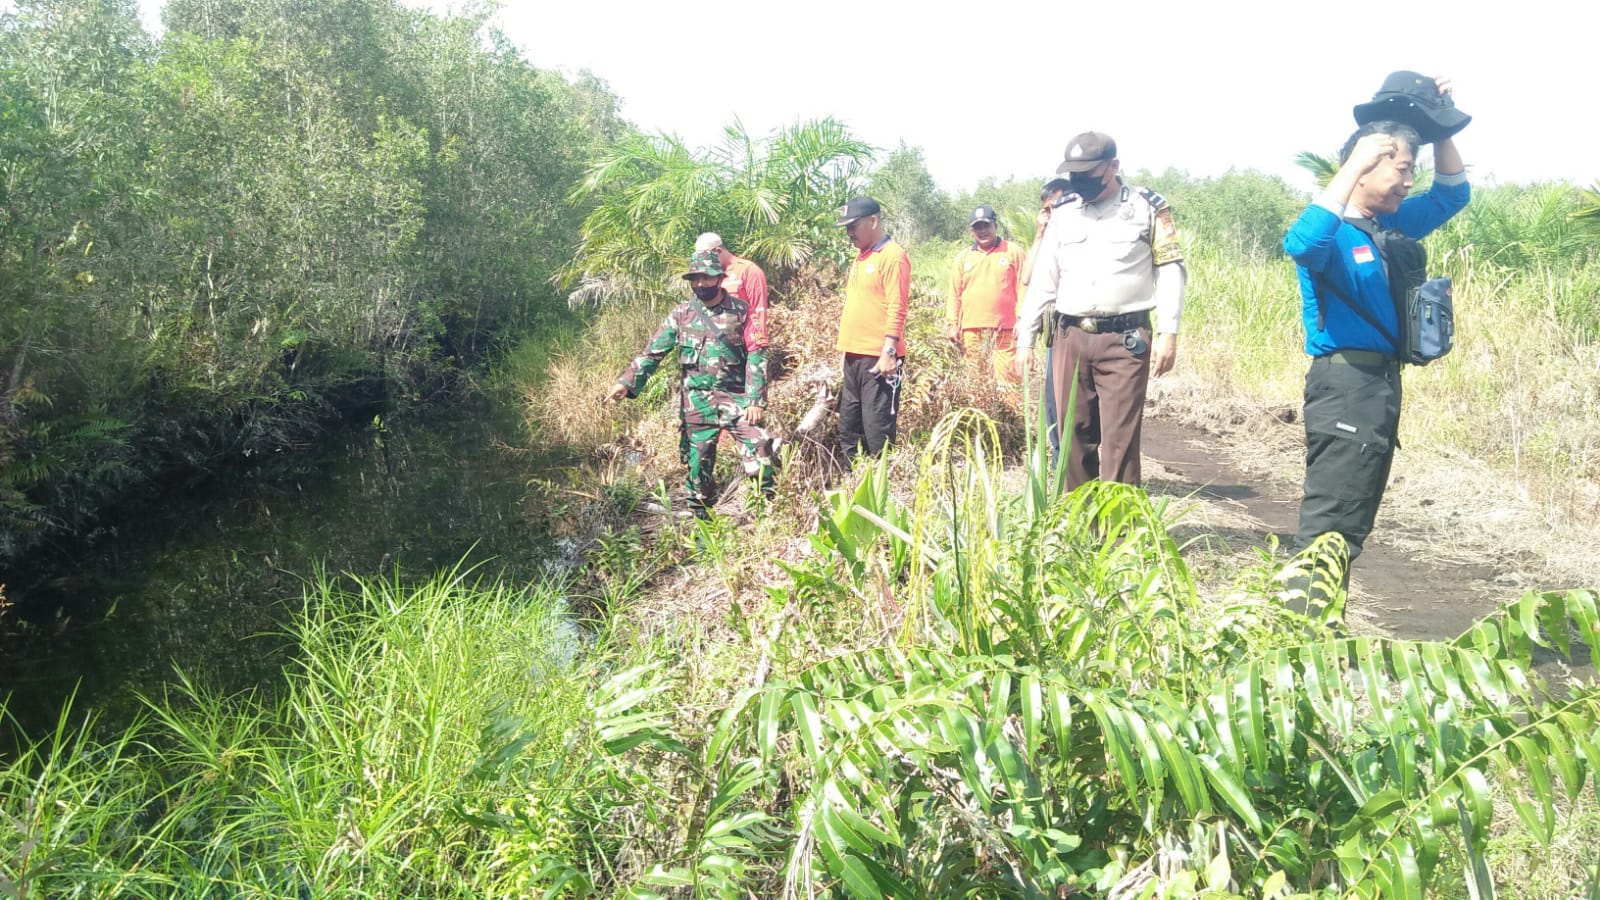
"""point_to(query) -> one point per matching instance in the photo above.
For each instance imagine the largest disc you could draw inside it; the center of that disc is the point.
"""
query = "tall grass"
(429, 741)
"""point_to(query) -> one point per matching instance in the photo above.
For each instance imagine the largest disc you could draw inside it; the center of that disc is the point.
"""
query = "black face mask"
(707, 294)
(1085, 185)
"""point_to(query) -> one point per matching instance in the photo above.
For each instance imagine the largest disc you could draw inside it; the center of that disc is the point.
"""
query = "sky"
(997, 89)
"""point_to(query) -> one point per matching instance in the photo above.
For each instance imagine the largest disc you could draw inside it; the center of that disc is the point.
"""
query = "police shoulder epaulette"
(1155, 200)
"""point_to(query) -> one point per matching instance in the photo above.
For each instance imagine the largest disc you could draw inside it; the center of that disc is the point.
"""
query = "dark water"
(203, 579)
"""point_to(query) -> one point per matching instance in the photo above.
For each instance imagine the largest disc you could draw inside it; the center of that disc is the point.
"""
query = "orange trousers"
(1001, 346)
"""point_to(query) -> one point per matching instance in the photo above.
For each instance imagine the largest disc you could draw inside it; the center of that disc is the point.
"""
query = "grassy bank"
(960, 682)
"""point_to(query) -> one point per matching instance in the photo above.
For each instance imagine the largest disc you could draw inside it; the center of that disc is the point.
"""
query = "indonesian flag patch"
(1362, 254)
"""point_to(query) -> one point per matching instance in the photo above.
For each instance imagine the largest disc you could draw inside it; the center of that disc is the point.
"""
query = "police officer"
(1110, 274)
(723, 382)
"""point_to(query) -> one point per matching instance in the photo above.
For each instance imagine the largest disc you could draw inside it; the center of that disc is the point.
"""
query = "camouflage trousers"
(697, 446)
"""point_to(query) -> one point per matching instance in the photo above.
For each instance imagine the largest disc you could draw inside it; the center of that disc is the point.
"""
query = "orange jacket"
(877, 295)
(983, 288)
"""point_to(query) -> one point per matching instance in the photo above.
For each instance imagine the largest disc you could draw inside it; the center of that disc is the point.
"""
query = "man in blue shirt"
(1348, 245)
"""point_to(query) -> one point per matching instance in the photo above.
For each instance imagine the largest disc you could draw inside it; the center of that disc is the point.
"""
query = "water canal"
(200, 577)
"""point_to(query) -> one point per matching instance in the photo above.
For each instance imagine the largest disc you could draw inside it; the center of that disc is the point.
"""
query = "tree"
(209, 244)
(1587, 215)
(774, 200)
(914, 209)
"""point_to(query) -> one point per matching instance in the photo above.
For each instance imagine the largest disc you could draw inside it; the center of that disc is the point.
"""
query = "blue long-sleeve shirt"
(1321, 242)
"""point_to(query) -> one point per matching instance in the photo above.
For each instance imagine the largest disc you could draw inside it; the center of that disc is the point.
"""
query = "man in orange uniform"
(877, 295)
(983, 295)
(744, 279)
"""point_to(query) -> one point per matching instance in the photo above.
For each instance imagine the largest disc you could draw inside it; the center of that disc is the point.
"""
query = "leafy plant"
(1064, 709)
(773, 200)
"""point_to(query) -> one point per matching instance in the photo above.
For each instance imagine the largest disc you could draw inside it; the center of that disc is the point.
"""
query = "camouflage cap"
(706, 262)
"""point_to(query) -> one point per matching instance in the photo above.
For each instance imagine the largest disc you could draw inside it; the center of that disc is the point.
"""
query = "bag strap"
(1321, 282)
(704, 317)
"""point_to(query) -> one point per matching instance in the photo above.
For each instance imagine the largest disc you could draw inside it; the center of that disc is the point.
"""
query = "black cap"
(982, 214)
(1414, 99)
(858, 208)
(1086, 151)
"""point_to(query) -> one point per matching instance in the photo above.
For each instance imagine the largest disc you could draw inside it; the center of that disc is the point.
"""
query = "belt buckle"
(1088, 324)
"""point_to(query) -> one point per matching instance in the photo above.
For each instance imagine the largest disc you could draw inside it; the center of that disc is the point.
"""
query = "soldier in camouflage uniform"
(722, 353)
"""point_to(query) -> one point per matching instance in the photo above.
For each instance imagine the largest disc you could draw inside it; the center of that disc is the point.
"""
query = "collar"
(878, 246)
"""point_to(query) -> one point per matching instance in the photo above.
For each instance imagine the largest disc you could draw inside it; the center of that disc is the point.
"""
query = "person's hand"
(1043, 219)
(618, 391)
(1024, 359)
(954, 334)
(886, 364)
(1442, 82)
(1371, 150)
(754, 415)
(1163, 353)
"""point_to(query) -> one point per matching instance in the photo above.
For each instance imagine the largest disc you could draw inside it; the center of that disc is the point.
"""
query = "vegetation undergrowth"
(964, 687)
(905, 576)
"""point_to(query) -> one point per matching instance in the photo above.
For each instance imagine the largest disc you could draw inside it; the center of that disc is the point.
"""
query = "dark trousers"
(1108, 410)
(869, 405)
(1352, 415)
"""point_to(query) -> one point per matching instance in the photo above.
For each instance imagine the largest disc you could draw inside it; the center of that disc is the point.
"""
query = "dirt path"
(1391, 593)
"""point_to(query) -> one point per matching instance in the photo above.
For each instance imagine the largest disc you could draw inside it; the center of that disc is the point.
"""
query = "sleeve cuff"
(1450, 177)
(1330, 204)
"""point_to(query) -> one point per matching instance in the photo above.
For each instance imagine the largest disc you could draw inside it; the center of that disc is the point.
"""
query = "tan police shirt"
(1100, 259)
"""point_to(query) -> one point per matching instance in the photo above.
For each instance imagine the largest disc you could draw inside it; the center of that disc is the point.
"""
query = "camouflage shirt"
(720, 376)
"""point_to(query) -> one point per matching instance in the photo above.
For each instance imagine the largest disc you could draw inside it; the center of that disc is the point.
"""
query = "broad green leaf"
(1227, 785)
(1060, 703)
(1186, 773)
(1256, 709)
(1032, 717)
(1534, 764)
(770, 722)
(1378, 810)
(1553, 622)
(999, 705)
(836, 828)
(1556, 745)
(809, 724)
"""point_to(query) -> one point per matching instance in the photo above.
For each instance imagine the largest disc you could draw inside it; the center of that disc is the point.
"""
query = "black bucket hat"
(1414, 99)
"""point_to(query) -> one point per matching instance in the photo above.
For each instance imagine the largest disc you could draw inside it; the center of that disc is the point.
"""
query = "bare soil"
(1394, 590)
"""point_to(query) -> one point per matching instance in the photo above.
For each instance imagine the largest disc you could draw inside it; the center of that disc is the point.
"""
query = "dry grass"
(629, 453)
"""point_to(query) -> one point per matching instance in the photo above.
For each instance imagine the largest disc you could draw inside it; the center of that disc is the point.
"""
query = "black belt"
(1360, 358)
(1105, 324)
